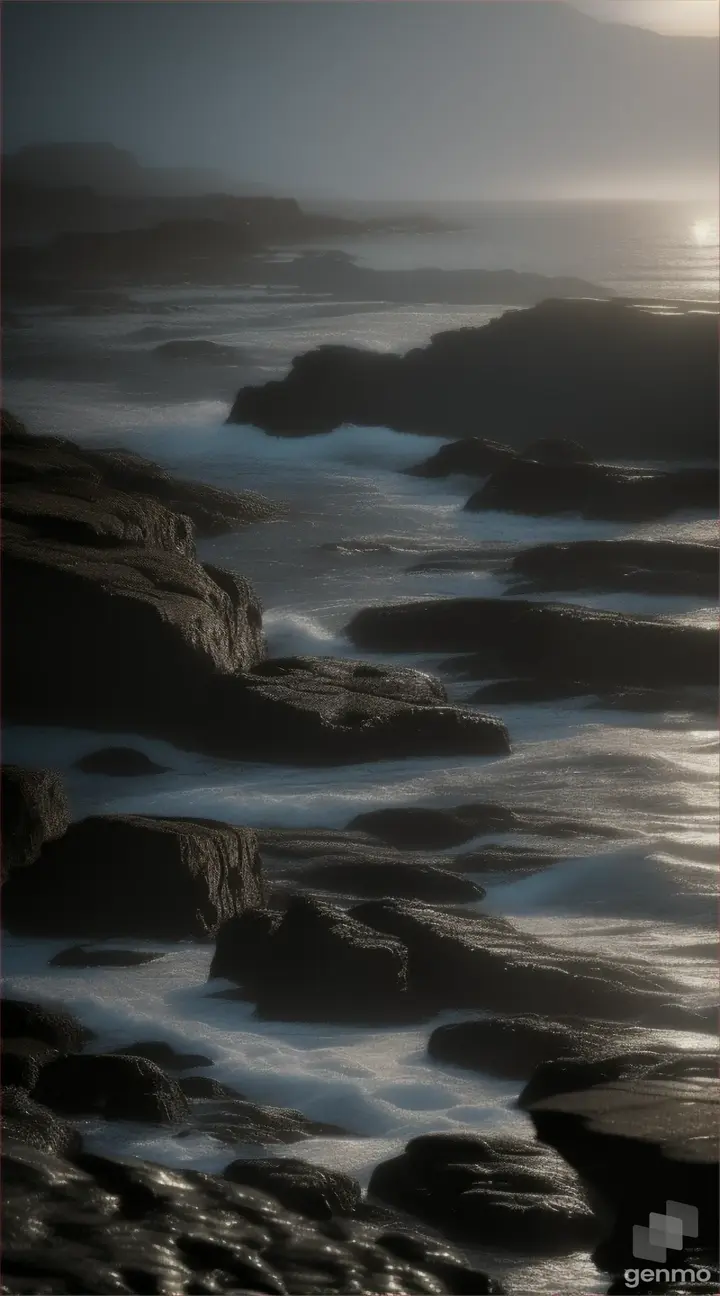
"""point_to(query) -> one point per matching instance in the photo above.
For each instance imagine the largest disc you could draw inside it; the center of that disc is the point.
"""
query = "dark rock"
(493, 1190)
(631, 379)
(567, 1074)
(100, 1225)
(34, 810)
(314, 1192)
(203, 350)
(22, 1061)
(123, 762)
(404, 881)
(456, 960)
(553, 450)
(503, 859)
(21, 1019)
(509, 1046)
(472, 457)
(701, 702)
(528, 690)
(77, 956)
(325, 712)
(118, 1088)
(164, 1055)
(26, 1121)
(320, 964)
(595, 490)
(415, 828)
(236, 1120)
(190, 876)
(241, 943)
(640, 1144)
(550, 640)
(645, 566)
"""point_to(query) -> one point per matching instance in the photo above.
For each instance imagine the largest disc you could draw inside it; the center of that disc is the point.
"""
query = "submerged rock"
(235, 1120)
(418, 828)
(405, 881)
(120, 762)
(34, 810)
(549, 640)
(128, 875)
(635, 382)
(491, 1190)
(200, 350)
(72, 1228)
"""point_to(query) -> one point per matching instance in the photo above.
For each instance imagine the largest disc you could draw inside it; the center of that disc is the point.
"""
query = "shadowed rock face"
(630, 382)
(594, 490)
(546, 640)
(126, 875)
(187, 1231)
(648, 566)
(34, 810)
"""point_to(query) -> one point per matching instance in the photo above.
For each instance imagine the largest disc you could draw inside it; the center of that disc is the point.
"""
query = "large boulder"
(75, 1227)
(114, 1087)
(315, 1192)
(34, 810)
(135, 876)
(643, 1145)
(637, 383)
(594, 490)
(511, 1047)
(544, 639)
(471, 457)
(555, 450)
(489, 1189)
(326, 712)
(317, 964)
(54, 1027)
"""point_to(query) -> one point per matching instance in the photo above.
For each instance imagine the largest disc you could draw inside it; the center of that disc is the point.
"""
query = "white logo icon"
(665, 1232)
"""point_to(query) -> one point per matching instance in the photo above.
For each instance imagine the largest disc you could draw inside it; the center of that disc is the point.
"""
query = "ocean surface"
(355, 526)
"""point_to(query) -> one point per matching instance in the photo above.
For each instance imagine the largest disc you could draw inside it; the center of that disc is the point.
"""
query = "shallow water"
(354, 526)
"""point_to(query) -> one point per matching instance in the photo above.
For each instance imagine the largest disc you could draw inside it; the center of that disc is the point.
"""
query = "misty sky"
(437, 100)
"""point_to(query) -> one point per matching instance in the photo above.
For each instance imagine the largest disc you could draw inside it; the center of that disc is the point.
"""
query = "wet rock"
(456, 960)
(34, 810)
(472, 457)
(544, 640)
(28, 1122)
(644, 566)
(566, 1074)
(100, 1225)
(510, 1046)
(22, 1061)
(22, 1019)
(594, 490)
(555, 450)
(641, 1143)
(528, 690)
(629, 378)
(203, 1087)
(118, 1088)
(236, 1121)
(120, 762)
(328, 712)
(314, 1192)
(190, 875)
(79, 957)
(415, 828)
(241, 944)
(492, 1190)
(404, 881)
(319, 964)
(164, 1055)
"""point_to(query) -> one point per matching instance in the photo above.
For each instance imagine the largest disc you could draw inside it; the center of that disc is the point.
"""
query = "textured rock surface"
(34, 810)
(544, 639)
(633, 381)
(108, 1226)
(23, 1019)
(126, 875)
(472, 457)
(646, 566)
(121, 762)
(116, 1087)
(496, 1190)
(27, 1122)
